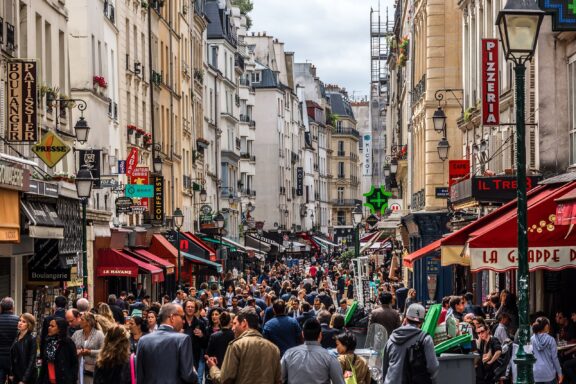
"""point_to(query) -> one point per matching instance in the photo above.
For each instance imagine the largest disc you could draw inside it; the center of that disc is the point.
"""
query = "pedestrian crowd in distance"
(276, 325)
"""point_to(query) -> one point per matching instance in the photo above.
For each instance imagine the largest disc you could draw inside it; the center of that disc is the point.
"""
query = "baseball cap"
(416, 312)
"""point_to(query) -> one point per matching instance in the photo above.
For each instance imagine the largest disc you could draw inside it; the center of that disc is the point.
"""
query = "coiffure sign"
(490, 83)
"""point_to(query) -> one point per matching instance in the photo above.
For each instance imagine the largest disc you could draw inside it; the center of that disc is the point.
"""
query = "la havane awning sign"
(51, 149)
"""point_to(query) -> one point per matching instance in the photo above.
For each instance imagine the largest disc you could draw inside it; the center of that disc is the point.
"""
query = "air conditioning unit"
(137, 67)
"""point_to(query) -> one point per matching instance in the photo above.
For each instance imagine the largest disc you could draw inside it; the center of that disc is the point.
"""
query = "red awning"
(114, 262)
(453, 245)
(409, 260)
(156, 260)
(551, 246)
(309, 239)
(162, 247)
(566, 209)
(201, 244)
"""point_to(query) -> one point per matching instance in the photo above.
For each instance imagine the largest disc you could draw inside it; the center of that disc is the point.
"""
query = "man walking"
(310, 363)
(250, 358)
(165, 356)
(385, 315)
(282, 330)
(401, 341)
(8, 332)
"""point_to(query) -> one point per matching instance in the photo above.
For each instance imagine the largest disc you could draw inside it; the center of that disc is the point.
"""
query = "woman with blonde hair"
(113, 363)
(88, 340)
(23, 352)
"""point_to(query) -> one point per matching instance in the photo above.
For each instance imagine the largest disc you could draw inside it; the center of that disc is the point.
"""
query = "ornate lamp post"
(519, 24)
(178, 218)
(84, 183)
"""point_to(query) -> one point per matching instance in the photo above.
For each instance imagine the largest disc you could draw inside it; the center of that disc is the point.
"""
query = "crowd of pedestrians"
(276, 325)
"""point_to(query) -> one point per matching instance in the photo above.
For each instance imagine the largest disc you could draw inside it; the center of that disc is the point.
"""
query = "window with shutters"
(572, 107)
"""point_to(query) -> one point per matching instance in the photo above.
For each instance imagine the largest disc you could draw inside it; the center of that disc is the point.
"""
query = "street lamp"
(443, 148)
(394, 166)
(519, 24)
(203, 195)
(439, 120)
(386, 170)
(178, 219)
(82, 130)
(219, 220)
(84, 181)
(157, 164)
(357, 219)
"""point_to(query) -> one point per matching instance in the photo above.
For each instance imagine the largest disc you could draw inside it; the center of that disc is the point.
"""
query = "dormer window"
(255, 77)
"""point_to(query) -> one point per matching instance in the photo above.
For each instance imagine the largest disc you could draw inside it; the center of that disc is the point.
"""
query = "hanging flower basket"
(131, 128)
(140, 132)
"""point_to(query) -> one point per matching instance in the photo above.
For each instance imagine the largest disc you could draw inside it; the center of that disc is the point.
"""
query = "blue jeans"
(201, 369)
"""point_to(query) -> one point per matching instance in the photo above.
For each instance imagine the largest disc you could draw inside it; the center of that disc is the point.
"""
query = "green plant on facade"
(468, 113)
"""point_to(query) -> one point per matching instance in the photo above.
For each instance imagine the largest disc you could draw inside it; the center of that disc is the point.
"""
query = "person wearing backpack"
(409, 356)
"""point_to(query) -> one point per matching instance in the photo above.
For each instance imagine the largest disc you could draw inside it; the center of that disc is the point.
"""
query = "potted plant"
(99, 81)
(147, 140)
(139, 132)
(131, 128)
(144, 4)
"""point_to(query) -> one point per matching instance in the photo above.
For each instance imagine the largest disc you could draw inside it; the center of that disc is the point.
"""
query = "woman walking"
(59, 360)
(88, 340)
(547, 367)
(23, 352)
(135, 326)
(113, 364)
(351, 363)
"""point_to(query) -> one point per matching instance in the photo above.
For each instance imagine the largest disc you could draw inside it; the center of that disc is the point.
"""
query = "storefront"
(121, 271)
(195, 257)
(486, 249)
(13, 181)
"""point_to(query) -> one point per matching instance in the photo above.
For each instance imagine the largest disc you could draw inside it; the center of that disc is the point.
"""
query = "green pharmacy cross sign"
(563, 13)
(377, 199)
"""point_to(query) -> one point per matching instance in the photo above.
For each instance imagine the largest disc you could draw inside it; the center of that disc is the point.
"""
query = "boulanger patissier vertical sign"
(490, 83)
(22, 102)
(367, 154)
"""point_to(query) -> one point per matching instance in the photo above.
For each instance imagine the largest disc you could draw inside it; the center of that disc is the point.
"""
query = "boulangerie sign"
(22, 124)
(490, 83)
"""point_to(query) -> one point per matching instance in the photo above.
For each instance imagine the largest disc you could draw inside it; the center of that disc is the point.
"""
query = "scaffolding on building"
(381, 31)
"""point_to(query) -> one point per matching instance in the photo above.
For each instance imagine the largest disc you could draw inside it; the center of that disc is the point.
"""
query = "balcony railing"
(244, 81)
(346, 131)
(239, 61)
(341, 153)
(346, 202)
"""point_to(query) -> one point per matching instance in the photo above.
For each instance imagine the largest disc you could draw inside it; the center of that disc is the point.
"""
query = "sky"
(331, 34)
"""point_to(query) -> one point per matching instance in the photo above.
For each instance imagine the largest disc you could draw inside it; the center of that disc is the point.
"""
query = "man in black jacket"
(8, 332)
(385, 315)
(328, 334)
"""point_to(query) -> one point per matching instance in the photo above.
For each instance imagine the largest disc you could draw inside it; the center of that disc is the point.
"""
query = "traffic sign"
(139, 190)
(51, 149)
(372, 220)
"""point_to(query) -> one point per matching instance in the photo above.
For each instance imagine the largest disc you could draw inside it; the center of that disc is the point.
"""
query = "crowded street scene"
(287, 192)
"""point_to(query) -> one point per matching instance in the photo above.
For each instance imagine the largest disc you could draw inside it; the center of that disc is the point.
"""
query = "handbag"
(352, 378)
(132, 369)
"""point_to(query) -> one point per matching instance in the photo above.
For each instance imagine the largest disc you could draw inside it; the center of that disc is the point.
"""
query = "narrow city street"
(287, 192)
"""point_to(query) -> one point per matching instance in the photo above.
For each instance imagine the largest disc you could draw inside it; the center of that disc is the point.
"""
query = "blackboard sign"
(552, 281)
(365, 290)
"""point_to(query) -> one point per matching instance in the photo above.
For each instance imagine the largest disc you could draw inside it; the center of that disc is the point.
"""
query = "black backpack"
(415, 368)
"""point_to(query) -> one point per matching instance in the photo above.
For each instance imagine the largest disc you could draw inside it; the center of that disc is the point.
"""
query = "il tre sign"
(499, 188)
